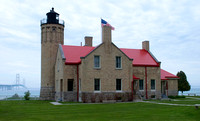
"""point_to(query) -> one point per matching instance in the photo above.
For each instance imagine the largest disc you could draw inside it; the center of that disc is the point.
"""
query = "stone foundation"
(90, 97)
(47, 93)
(66, 96)
(69, 96)
(172, 92)
(151, 94)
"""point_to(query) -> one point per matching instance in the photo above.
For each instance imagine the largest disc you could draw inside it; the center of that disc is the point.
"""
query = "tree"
(27, 95)
(183, 84)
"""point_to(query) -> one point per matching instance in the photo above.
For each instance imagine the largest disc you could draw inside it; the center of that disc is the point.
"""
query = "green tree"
(27, 95)
(183, 84)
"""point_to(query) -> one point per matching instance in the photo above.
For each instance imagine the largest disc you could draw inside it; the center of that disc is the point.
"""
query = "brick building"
(98, 73)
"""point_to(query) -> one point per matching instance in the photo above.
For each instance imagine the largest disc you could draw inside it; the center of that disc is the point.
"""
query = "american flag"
(105, 23)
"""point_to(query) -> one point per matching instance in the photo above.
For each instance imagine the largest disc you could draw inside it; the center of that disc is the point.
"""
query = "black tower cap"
(52, 17)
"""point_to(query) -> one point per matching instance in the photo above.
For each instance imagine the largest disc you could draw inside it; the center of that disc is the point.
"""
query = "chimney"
(107, 38)
(106, 34)
(145, 45)
(88, 41)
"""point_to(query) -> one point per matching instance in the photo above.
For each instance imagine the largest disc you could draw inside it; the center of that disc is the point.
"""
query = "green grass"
(43, 110)
(187, 101)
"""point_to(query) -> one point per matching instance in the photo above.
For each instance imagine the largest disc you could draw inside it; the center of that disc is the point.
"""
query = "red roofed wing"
(165, 75)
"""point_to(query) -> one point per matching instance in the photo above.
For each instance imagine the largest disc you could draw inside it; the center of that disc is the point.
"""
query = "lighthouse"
(52, 34)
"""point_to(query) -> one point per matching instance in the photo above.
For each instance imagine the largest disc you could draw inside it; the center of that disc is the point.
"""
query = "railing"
(44, 21)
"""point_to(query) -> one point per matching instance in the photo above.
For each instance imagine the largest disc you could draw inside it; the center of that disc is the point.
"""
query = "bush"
(27, 95)
(15, 96)
(175, 97)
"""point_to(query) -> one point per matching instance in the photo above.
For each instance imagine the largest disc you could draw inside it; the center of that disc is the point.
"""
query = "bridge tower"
(52, 34)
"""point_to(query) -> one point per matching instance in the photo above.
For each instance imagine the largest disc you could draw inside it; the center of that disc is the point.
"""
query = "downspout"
(77, 84)
(146, 81)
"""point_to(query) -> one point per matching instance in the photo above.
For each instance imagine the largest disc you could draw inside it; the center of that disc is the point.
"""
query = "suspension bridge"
(17, 85)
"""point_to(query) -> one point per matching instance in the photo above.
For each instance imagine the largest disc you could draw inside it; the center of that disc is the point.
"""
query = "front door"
(163, 87)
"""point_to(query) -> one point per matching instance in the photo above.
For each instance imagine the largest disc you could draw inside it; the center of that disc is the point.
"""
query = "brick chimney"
(88, 41)
(107, 38)
(145, 45)
(106, 34)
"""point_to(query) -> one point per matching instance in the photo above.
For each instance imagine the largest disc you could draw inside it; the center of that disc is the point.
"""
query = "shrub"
(15, 96)
(175, 97)
(27, 95)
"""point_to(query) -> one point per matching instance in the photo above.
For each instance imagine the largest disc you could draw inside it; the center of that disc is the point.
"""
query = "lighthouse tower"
(52, 34)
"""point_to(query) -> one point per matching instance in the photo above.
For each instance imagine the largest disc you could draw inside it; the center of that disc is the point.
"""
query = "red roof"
(140, 57)
(73, 53)
(166, 75)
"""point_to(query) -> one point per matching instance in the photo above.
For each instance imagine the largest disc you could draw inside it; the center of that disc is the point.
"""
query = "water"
(35, 92)
(193, 91)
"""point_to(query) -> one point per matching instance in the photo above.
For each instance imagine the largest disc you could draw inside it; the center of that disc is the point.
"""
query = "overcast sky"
(171, 26)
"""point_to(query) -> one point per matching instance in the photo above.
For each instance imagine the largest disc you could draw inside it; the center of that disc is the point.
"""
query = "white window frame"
(116, 86)
(99, 85)
(99, 62)
(116, 62)
(155, 85)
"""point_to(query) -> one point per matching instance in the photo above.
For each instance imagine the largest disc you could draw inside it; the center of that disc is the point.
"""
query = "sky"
(171, 26)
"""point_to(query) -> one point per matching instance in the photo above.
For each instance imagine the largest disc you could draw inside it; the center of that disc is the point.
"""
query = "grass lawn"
(42, 110)
(190, 101)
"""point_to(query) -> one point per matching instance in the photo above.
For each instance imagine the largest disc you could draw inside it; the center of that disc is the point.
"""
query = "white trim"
(97, 91)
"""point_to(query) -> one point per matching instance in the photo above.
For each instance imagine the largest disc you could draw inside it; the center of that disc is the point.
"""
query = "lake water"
(35, 92)
(193, 90)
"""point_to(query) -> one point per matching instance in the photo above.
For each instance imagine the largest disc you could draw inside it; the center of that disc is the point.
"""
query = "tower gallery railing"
(44, 21)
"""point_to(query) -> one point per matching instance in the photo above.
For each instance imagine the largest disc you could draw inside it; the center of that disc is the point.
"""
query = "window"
(96, 84)
(96, 61)
(153, 84)
(118, 84)
(70, 84)
(141, 84)
(118, 62)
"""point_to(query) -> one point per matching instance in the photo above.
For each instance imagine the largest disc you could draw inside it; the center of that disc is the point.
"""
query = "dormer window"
(96, 61)
(118, 62)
